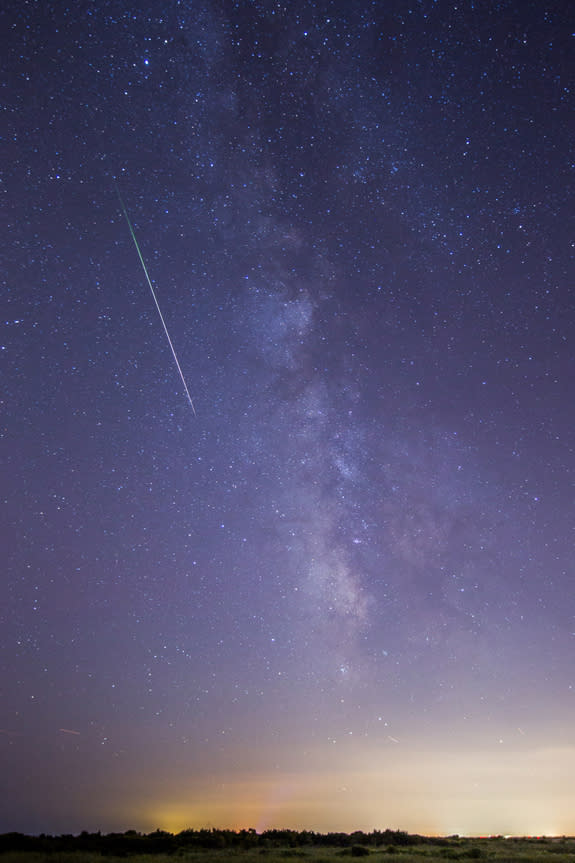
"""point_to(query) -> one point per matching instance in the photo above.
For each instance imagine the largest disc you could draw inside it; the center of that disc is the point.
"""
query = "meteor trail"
(149, 281)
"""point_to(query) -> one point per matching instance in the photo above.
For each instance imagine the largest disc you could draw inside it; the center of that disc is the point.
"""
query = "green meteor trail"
(149, 281)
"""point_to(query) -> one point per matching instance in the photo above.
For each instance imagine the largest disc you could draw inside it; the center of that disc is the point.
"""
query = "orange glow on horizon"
(469, 794)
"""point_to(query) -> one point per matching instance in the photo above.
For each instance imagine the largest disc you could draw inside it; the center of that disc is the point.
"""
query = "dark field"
(248, 847)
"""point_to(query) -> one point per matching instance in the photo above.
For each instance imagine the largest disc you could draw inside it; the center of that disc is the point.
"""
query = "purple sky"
(342, 595)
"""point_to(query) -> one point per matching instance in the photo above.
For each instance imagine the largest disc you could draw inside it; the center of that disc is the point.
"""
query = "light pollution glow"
(489, 792)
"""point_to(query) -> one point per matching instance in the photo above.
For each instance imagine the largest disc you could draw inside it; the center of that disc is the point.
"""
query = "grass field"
(497, 850)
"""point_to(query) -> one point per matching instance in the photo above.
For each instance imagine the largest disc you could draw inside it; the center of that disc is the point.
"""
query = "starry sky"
(341, 594)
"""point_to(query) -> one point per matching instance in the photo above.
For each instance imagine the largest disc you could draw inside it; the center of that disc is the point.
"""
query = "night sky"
(341, 594)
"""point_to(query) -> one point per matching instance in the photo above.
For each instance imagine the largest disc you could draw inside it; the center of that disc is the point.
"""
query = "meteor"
(149, 281)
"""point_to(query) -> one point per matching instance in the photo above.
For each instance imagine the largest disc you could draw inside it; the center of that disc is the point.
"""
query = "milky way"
(341, 595)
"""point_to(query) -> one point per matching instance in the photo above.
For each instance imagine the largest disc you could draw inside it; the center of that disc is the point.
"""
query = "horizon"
(373, 833)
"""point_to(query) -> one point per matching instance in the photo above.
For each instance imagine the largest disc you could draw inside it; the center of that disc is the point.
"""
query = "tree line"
(131, 842)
